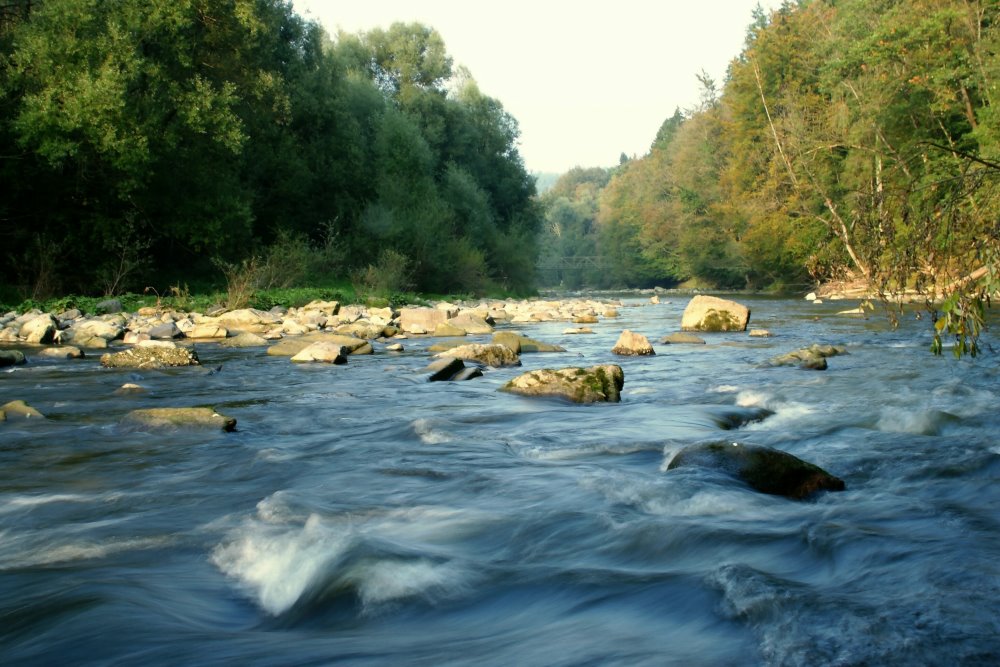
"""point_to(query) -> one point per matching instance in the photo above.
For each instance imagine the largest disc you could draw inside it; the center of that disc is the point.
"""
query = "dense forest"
(851, 139)
(162, 142)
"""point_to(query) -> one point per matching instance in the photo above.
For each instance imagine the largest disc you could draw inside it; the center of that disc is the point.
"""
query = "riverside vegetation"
(177, 143)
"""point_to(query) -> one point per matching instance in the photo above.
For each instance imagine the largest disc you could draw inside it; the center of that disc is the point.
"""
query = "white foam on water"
(748, 398)
(784, 411)
(908, 420)
(724, 389)
(87, 551)
(430, 525)
(570, 453)
(274, 508)
(31, 549)
(27, 501)
(388, 580)
(428, 434)
(278, 566)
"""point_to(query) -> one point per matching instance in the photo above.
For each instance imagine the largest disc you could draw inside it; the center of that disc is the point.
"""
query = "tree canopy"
(851, 139)
(146, 139)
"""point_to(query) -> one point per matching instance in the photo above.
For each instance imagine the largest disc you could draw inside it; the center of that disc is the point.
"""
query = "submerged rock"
(494, 354)
(20, 410)
(11, 358)
(244, 339)
(150, 357)
(710, 313)
(681, 338)
(180, 418)
(597, 384)
(522, 344)
(767, 470)
(809, 358)
(632, 345)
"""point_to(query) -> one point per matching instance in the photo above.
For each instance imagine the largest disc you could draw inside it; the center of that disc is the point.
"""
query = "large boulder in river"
(471, 323)
(632, 345)
(208, 330)
(421, 320)
(247, 319)
(86, 330)
(180, 418)
(150, 357)
(41, 329)
(710, 313)
(289, 347)
(597, 384)
(494, 355)
(766, 470)
(323, 352)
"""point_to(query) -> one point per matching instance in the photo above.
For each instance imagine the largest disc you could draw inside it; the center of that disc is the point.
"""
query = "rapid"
(362, 515)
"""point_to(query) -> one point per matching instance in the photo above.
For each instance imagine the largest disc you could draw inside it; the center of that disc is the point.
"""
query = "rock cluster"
(148, 356)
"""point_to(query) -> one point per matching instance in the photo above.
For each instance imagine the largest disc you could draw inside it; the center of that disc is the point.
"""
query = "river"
(361, 515)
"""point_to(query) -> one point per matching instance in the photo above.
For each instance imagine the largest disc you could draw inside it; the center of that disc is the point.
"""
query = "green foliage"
(391, 274)
(147, 138)
(855, 139)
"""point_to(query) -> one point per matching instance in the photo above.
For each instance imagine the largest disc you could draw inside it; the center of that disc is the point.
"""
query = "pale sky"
(585, 81)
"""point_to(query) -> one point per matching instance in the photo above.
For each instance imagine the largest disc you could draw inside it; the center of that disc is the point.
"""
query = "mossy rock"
(11, 358)
(20, 410)
(718, 321)
(597, 384)
(180, 418)
(809, 358)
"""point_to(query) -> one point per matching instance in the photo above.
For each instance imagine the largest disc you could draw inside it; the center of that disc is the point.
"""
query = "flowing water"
(361, 515)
